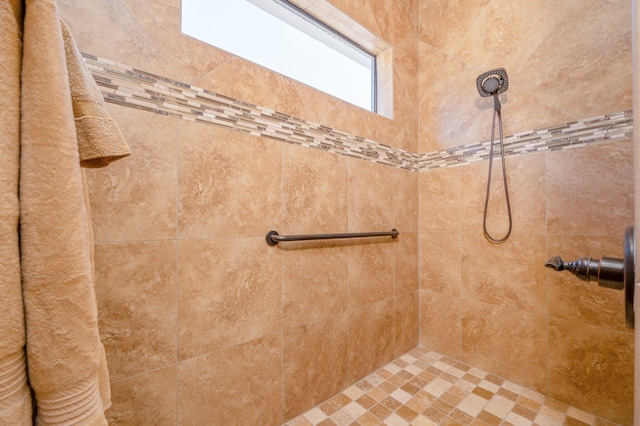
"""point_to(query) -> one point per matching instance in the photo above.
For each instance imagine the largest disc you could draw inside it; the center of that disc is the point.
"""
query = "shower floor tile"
(425, 388)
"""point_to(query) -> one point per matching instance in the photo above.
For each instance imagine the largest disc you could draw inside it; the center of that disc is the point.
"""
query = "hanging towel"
(15, 396)
(62, 123)
(99, 138)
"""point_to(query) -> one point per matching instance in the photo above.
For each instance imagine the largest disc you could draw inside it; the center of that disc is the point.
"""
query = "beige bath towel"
(15, 396)
(64, 355)
(99, 139)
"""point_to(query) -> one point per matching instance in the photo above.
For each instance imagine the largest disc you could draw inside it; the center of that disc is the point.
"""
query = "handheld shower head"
(492, 82)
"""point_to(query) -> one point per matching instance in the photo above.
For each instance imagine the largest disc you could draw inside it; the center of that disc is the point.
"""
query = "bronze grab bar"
(274, 238)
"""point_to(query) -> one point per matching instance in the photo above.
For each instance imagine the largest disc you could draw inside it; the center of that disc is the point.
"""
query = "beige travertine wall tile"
(314, 281)
(510, 274)
(218, 388)
(315, 363)
(395, 22)
(590, 190)
(619, 99)
(148, 398)
(370, 197)
(406, 263)
(527, 192)
(524, 110)
(136, 290)
(573, 58)
(134, 198)
(592, 369)
(498, 339)
(445, 23)
(371, 341)
(371, 271)
(575, 300)
(106, 28)
(440, 200)
(241, 79)
(454, 118)
(315, 191)
(440, 262)
(506, 33)
(229, 292)
(440, 323)
(405, 200)
(230, 183)
(161, 21)
(407, 322)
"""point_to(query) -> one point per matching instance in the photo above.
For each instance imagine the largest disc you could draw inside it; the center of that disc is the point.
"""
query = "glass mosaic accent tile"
(425, 388)
(123, 85)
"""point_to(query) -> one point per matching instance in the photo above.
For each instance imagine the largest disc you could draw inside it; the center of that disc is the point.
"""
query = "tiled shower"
(205, 324)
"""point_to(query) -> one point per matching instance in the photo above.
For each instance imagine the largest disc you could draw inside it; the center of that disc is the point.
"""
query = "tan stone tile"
(459, 116)
(135, 291)
(217, 181)
(311, 274)
(526, 25)
(489, 271)
(370, 195)
(440, 262)
(440, 192)
(135, 198)
(229, 293)
(329, 407)
(224, 172)
(380, 411)
(377, 393)
(577, 347)
(391, 403)
(405, 200)
(368, 419)
(527, 190)
(608, 52)
(108, 30)
(209, 385)
(145, 398)
(448, 32)
(461, 417)
(604, 204)
(161, 20)
(370, 338)
(315, 363)
(406, 323)
(249, 82)
(310, 178)
(366, 401)
(370, 272)
(406, 413)
(440, 324)
(406, 265)
(497, 339)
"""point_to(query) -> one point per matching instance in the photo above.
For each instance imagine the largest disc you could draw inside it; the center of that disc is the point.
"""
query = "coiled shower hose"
(497, 111)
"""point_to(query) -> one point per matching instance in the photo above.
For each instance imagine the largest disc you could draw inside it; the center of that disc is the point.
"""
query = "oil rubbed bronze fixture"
(274, 238)
(492, 83)
(608, 272)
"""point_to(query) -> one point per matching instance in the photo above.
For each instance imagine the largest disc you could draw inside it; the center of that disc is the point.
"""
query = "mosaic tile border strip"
(127, 86)
(124, 85)
(603, 128)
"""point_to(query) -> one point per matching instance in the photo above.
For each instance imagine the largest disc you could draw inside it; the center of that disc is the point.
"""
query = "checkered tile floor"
(425, 388)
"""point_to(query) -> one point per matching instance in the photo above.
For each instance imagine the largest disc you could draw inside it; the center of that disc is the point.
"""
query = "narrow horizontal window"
(284, 38)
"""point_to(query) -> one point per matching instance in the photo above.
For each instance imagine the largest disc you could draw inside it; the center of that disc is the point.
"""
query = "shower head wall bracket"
(495, 80)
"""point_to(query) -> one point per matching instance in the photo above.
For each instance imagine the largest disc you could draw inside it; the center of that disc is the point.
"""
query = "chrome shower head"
(492, 82)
